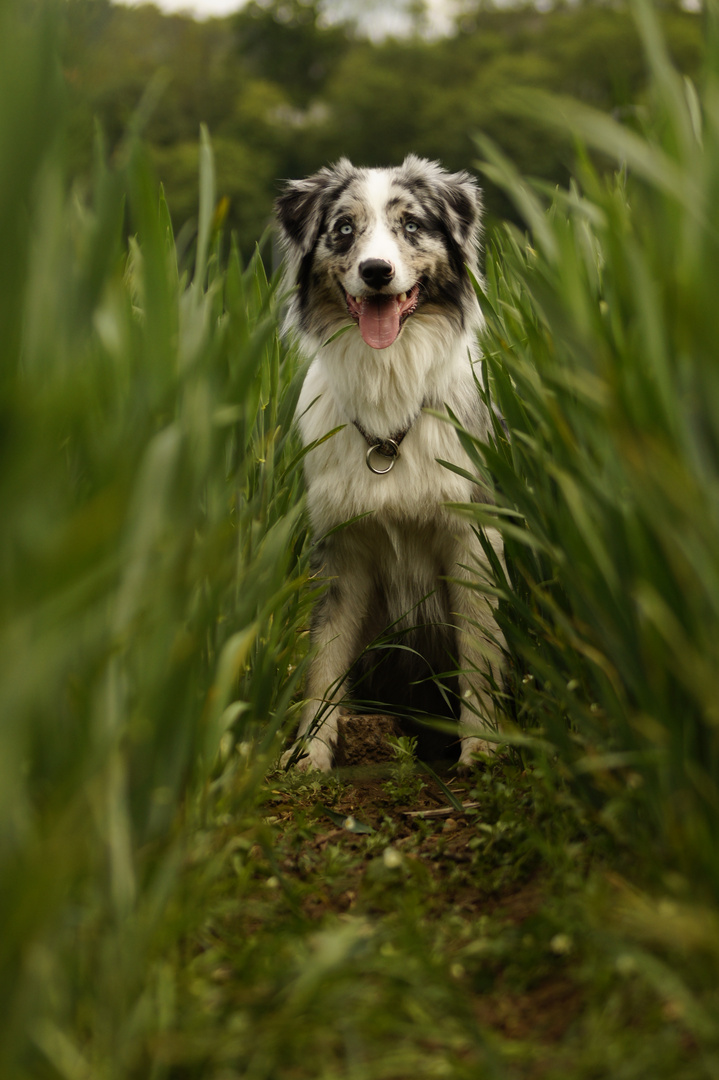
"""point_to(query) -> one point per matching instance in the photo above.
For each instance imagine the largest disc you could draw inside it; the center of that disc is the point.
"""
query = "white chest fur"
(384, 394)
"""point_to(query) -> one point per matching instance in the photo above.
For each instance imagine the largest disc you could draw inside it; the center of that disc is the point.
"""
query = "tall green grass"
(602, 348)
(152, 556)
(154, 573)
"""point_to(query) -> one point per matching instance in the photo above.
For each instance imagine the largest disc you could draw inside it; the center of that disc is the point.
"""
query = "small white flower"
(391, 858)
(561, 944)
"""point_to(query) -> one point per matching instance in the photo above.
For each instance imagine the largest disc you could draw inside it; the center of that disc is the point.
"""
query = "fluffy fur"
(385, 252)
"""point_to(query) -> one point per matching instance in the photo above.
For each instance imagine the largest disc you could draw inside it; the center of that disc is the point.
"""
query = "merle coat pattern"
(385, 252)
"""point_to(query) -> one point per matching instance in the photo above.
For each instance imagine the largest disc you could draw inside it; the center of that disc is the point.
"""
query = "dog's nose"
(376, 272)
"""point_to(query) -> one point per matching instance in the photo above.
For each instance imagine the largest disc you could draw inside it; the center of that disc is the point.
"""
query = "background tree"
(287, 42)
(287, 85)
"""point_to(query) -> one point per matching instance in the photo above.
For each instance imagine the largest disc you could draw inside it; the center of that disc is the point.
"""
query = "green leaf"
(451, 798)
(338, 333)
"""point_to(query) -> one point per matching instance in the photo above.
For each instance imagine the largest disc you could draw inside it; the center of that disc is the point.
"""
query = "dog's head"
(381, 246)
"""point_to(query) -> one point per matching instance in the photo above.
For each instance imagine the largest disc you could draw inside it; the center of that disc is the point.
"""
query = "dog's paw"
(306, 756)
(469, 758)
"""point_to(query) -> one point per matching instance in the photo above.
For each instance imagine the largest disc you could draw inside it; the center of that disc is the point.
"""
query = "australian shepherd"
(383, 303)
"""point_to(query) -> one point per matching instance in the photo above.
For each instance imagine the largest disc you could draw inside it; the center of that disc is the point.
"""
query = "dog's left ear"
(463, 200)
(457, 196)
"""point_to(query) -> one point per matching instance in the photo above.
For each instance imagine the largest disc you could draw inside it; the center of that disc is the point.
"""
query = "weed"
(403, 786)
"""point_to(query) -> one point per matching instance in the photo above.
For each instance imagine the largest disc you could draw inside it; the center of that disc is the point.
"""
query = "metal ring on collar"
(380, 449)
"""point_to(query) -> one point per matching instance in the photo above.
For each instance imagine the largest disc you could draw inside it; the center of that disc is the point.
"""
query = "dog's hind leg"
(336, 639)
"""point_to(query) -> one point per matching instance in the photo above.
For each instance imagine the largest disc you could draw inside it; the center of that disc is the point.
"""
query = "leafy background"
(284, 89)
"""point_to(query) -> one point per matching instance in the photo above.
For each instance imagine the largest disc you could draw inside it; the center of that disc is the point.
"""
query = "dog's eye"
(346, 228)
(411, 226)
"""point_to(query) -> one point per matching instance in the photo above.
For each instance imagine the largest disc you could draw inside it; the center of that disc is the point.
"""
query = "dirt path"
(381, 923)
(439, 848)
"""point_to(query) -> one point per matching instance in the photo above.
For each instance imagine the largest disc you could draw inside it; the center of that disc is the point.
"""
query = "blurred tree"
(431, 96)
(244, 176)
(289, 42)
(296, 83)
(126, 48)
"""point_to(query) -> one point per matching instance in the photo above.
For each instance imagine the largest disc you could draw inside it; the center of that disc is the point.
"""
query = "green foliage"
(152, 558)
(285, 87)
(497, 943)
(241, 170)
(288, 43)
(404, 785)
(167, 914)
(600, 347)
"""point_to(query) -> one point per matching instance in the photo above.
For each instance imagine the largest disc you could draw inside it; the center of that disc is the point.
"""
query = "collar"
(387, 448)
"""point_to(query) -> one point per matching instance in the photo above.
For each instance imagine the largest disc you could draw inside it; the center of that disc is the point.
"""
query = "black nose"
(376, 272)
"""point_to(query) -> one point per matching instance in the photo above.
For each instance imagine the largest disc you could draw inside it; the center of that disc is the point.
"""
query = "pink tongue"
(379, 321)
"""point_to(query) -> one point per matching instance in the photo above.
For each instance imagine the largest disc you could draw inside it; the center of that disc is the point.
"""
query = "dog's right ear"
(299, 209)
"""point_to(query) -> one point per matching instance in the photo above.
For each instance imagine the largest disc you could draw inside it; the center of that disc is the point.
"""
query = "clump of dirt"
(362, 739)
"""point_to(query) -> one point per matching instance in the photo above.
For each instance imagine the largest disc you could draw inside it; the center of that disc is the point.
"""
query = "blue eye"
(411, 226)
(346, 229)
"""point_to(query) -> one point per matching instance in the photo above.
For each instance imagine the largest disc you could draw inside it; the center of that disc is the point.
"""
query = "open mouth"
(380, 316)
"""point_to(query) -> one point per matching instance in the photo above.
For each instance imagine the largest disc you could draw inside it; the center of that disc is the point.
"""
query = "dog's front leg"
(480, 644)
(336, 629)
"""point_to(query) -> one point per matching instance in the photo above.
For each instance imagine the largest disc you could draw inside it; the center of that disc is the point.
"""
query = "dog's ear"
(463, 199)
(298, 213)
(299, 208)
(457, 196)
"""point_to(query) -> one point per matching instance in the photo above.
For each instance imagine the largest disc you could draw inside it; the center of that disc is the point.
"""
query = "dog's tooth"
(402, 297)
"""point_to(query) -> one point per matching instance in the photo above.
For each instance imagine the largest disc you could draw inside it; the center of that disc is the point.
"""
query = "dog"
(378, 262)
